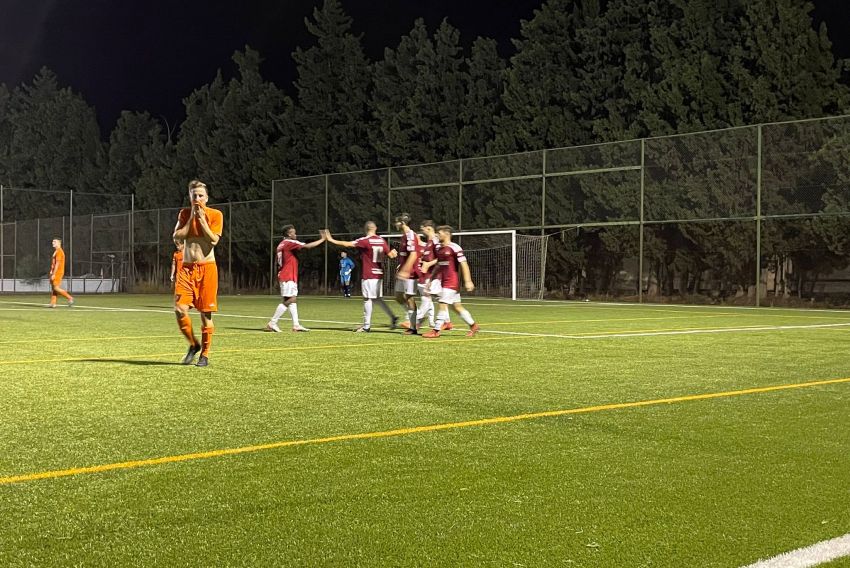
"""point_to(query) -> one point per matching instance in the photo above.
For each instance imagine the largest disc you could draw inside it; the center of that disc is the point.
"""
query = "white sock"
(466, 316)
(411, 317)
(441, 319)
(281, 309)
(385, 307)
(426, 308)
(293, 311)
(367, 313)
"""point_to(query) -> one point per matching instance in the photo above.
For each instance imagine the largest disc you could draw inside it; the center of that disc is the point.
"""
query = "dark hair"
(286, 229)
(403, 218)
(447, 228)
(427, 223)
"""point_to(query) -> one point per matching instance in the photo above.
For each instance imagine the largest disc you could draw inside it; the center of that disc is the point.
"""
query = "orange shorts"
(197, 285)
(57, 280)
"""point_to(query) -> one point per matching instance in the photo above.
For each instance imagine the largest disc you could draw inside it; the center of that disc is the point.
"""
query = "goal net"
(504, 264)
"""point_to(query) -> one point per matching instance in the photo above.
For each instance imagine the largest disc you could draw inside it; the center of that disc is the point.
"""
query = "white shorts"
(423, 289)
(288, 289)
(406, 286)
(449, 296)
(372, 288)
(435, 287)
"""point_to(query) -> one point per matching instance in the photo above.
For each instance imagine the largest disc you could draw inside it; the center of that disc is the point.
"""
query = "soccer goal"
(504, 264)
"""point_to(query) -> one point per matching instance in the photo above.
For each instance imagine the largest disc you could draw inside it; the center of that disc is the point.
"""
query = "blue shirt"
(346, 265)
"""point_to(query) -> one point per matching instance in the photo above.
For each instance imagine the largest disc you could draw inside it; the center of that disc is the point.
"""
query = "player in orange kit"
(57, 271)
(200, 228)
(176, 260)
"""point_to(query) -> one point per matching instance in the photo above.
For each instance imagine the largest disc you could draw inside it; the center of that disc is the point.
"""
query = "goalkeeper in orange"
(57, 271)
(200, 228)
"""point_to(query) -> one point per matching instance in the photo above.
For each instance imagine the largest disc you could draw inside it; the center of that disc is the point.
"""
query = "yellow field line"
(53, 474)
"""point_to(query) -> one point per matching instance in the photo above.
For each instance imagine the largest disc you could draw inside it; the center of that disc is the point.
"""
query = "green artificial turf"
(718, 482)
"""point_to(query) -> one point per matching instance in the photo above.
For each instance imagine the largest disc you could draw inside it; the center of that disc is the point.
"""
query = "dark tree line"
(582, 71)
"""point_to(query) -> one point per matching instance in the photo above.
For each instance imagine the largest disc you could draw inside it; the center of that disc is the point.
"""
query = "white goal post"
(504, 264)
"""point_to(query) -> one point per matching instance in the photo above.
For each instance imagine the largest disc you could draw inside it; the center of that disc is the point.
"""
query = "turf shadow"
(132, 362)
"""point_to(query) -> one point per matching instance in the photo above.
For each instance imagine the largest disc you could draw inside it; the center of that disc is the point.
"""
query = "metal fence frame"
(461, 176)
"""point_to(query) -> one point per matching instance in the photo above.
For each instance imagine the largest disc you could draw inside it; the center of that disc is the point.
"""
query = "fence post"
(15, 269)
(230, 246)
(132, 240)
(389, 199)
(2, 244)
(542, 226)
(325, 269)
(91, 244)
(642, 218)
(38, 241)
(71, 243)
(460, 194)
(157, 268)
(271, 245)
(758, 215)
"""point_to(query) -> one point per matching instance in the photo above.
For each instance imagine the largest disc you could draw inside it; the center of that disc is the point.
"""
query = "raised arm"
(326, 234)
(315, 243)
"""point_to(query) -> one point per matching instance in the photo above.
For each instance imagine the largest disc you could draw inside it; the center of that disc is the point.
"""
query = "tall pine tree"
(331, 116)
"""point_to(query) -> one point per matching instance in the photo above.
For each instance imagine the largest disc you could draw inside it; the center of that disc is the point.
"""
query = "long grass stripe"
(814, 555)
(53, 474)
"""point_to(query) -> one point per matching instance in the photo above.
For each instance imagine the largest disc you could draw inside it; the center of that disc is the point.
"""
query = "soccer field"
(564, 434)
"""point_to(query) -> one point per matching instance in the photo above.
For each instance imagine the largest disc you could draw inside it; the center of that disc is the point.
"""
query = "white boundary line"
(601, 335)
(675, 332)
(818, 553)
(147, 310)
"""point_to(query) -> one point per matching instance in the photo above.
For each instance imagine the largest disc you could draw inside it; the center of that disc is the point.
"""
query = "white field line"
(149, 310)
(819, 553)
(601, 335)
(674, 332)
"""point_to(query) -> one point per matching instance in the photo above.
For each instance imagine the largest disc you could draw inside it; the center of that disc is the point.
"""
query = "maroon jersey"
(372, 252)
(409, 245)
(288, 260)
(449, 258)
(429, 252)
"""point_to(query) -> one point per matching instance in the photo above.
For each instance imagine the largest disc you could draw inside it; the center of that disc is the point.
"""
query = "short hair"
(287, 228)
(428, 223)
(57, 239)
(196, 183)
(446, 228)
(403, 218)
(369, 225)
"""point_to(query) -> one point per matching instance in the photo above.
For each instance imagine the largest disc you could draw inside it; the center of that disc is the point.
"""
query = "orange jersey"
(214, 218)
(177, 258)
(57, 264)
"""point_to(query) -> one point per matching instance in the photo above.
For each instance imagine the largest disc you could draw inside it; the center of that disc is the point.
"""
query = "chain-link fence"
(754, 215)
(94, 230)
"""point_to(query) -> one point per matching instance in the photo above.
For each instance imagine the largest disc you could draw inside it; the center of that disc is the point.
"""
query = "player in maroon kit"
(373, 248)
(428, 288)
(409, 254)
(287, 277)
(450, 262)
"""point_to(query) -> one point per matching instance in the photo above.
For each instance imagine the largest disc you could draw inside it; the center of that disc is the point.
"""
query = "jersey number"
(376, 254)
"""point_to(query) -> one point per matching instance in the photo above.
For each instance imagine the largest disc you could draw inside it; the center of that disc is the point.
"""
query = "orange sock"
(65, 294)
(185, 324)
(52, 299)
(206, 340)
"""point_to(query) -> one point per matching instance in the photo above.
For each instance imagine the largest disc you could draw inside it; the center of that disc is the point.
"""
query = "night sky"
(149, 55)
